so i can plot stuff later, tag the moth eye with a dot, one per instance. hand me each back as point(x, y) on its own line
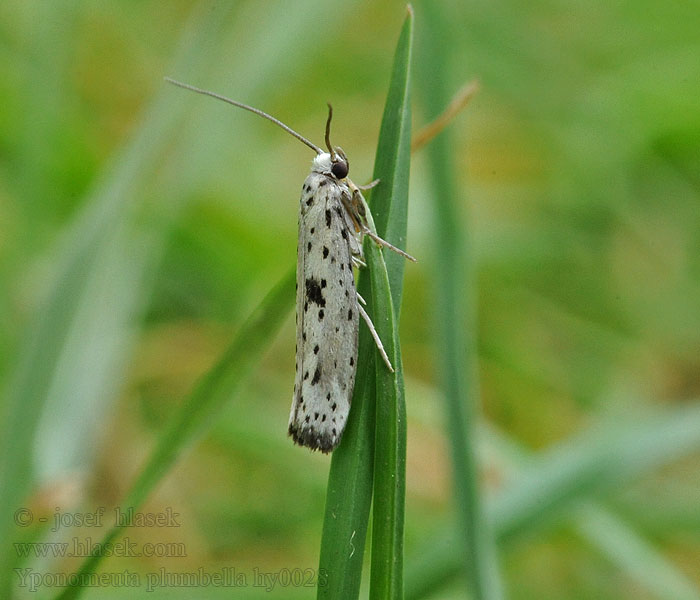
point(340, 169)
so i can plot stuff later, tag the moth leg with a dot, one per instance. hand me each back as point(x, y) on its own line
point(359, 212)
point(351, 208)
point(358, 262)
point(375, 336)
point(380, 242)
point(369, 186)
point(359, 204)
point(361, 299)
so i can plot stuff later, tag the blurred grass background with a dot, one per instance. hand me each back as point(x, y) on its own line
point(139, 226)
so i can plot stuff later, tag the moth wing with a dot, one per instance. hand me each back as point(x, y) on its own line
point(327, 318)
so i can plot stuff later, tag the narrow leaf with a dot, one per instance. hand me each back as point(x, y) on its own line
point(350, 480)
point(455, 317)
point(390, 201)
point(561, 478)
point(207, 399)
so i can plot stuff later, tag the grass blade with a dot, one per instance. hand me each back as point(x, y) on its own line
point(207, 398)
point(102, 254)
point(455, 317)
point(349, 491)
point(561, 478)
point(390, 203)
point(390, 447)
point(634, 555)
point(350, 480)
point(389, 200)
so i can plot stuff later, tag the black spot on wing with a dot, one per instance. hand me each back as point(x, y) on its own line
point(317, 375)
point(306, 434)
point(328, 218)
point(313, 292)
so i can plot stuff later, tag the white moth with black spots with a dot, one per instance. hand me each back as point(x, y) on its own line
point(333, 219)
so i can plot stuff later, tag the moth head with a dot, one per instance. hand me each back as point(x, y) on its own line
point(340, 165)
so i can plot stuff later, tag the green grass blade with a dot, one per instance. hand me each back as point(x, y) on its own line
point(634, 555)
point(390, 202)
point(389, 447)
point(349, 491)
point(454, 300)
point(591, 464)
point(350, 480)
point(103, 258)
point(207, 398)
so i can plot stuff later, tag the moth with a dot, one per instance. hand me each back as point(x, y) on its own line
point(333, 220)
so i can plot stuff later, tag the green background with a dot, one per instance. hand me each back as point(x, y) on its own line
point(140, 225)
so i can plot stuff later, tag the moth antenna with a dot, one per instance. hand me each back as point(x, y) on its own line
point(257, 111)
point(328, 133)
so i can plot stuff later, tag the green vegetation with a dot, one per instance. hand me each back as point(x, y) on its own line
point(550, 332)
